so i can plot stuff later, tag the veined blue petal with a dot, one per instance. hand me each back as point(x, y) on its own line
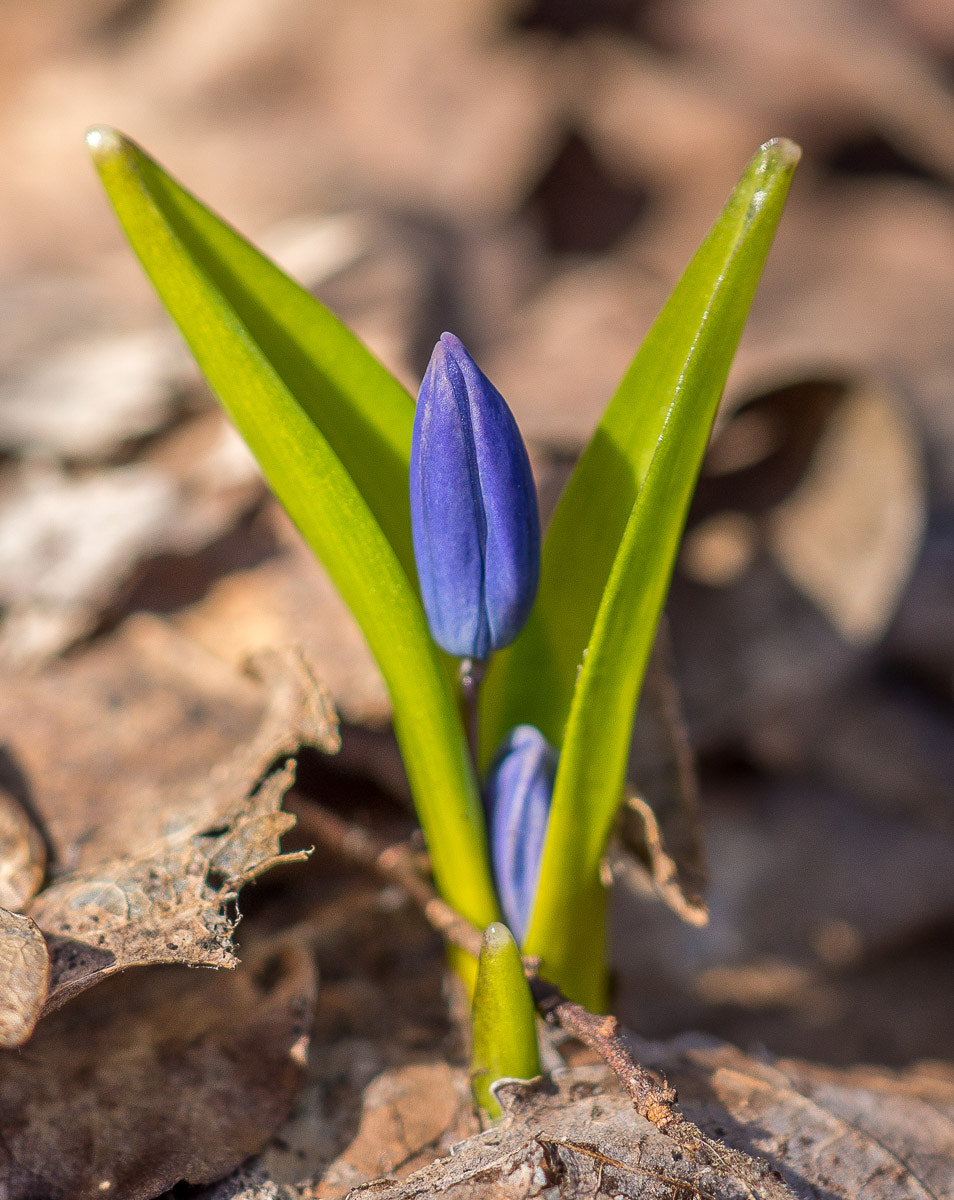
point(518, 792)
point(473, 508)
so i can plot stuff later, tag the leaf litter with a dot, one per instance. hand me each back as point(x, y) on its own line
point(780, 1127)
point(155, 1075)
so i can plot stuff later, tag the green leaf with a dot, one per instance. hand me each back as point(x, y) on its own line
point(609, 556)
point(331, 430)
point(505, 1025)
point(363, 411)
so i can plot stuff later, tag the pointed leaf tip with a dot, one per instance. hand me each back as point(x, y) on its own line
point(782, 152)
point(497, 938)
point(104, 142)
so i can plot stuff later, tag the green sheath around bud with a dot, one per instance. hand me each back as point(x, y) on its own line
point(505, 1023)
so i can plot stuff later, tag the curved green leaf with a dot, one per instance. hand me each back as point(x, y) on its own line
point(702, 321)
point(363, 411)
point(331, 430)
point(646, 455)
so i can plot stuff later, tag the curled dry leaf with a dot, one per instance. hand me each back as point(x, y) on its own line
point(22, 853)
point(145, 734)
point(24, 975)
point(659, 831)
point(159, 1076)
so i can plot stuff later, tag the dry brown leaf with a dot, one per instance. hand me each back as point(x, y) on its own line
point(818, 942)
point(170, 905)
point(855, 66)
point(24, 976)
point(180, 798)
point(290, 599)
point(159, 1076)
point(118, 746)
point(83, 401)
point(829, 475)
point(69, 543)
point(823, 1132)
point(849, 534)
point(785, 1128)
point(410, 1116)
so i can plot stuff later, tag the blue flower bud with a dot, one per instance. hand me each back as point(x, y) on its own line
point(473, 508)
point(517, 795)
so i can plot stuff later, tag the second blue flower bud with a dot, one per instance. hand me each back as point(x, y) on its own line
point(517, 794)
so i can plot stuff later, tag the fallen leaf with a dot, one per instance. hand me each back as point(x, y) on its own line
point(159, 1076)
point(289, 599)
point(24, 975)
point(850, 533)
point(144, 734)
point(69, 543)
point(821, 911)
point(86, 400)
point(829, 475)
point(750, 649)
point(173, 904)
point(409, 1117)
point(168, 839)
point(786, 1128)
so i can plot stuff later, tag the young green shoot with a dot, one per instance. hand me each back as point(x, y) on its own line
point(504, 1019)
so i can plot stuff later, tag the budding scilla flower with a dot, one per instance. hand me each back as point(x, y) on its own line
point(473, 508)
point(517, 794)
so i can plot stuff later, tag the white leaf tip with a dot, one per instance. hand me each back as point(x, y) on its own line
point(103, 142)
point(784, 152)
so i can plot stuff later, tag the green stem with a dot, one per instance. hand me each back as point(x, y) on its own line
point(578, 961)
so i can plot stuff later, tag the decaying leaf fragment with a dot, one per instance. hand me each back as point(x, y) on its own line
point(171, 902)
point(165, 906)
point(159, 856)
point(24, 976)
